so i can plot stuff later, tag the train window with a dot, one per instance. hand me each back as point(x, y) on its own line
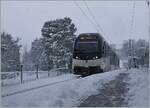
point(87, 46)
point(106, 49)
point(104, 44)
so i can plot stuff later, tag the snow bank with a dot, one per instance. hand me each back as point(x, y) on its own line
point(138, 88)
point(31, 76)
point(36, 83)
point(69, 93)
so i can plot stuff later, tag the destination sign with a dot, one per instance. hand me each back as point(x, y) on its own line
point(87, 38)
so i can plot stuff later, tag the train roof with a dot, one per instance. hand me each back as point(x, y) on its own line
point(94, 34)
point(90, 34)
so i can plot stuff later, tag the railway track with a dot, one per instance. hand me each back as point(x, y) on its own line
point(34, 88)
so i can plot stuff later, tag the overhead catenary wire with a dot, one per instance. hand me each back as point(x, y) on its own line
point(85, 15)
point(94, 18)
point(96, 22)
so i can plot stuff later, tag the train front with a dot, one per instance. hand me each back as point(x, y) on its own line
point(87, 54)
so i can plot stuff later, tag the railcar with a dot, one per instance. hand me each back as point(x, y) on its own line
point(92, 54)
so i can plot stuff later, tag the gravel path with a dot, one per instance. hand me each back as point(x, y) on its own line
point(111, 94)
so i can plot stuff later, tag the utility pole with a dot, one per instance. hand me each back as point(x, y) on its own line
point(148, 1)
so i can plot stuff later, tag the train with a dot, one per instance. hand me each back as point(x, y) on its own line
point(92, 54)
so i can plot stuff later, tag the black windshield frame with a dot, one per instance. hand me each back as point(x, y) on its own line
point(83, 55)
point(87, 46)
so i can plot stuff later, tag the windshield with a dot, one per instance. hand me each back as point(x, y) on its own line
point(87, 46)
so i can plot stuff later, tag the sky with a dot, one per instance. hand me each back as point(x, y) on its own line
point(24, 19)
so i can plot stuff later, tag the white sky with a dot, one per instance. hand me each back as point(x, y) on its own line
point(25, 19)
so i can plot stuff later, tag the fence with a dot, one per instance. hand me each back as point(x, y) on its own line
point(17, 77)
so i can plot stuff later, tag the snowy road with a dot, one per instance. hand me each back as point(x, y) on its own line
point(128, 89)
point(111, 94)
point(75, 92)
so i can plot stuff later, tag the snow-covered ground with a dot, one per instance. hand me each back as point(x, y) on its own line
point(138, 88)
point(72, 91)
point(66, 93)
point(29, 76)
point(35, 84)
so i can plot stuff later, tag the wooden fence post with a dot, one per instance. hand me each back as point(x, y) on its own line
point(37, 72)
point(21, 74)
point(48, 72)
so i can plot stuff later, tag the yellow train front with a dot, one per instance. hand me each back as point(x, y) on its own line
point(92, 54)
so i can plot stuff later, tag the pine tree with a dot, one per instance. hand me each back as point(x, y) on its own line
point(10, 53)
point(58, 36)
point(27, 60)
point(38, 55)
point(142, 47)
point(128, 48)
point(137, 49)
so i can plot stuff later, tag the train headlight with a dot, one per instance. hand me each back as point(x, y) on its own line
point(77, 57)
point(96, 57)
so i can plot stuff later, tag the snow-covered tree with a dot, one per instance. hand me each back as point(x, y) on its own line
point(27, 60)
point(58, 36)
point(138, 49)
point(142, 48)
point(146, 57)
point(128, 48)
point(10, 55)
point(38, 55)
